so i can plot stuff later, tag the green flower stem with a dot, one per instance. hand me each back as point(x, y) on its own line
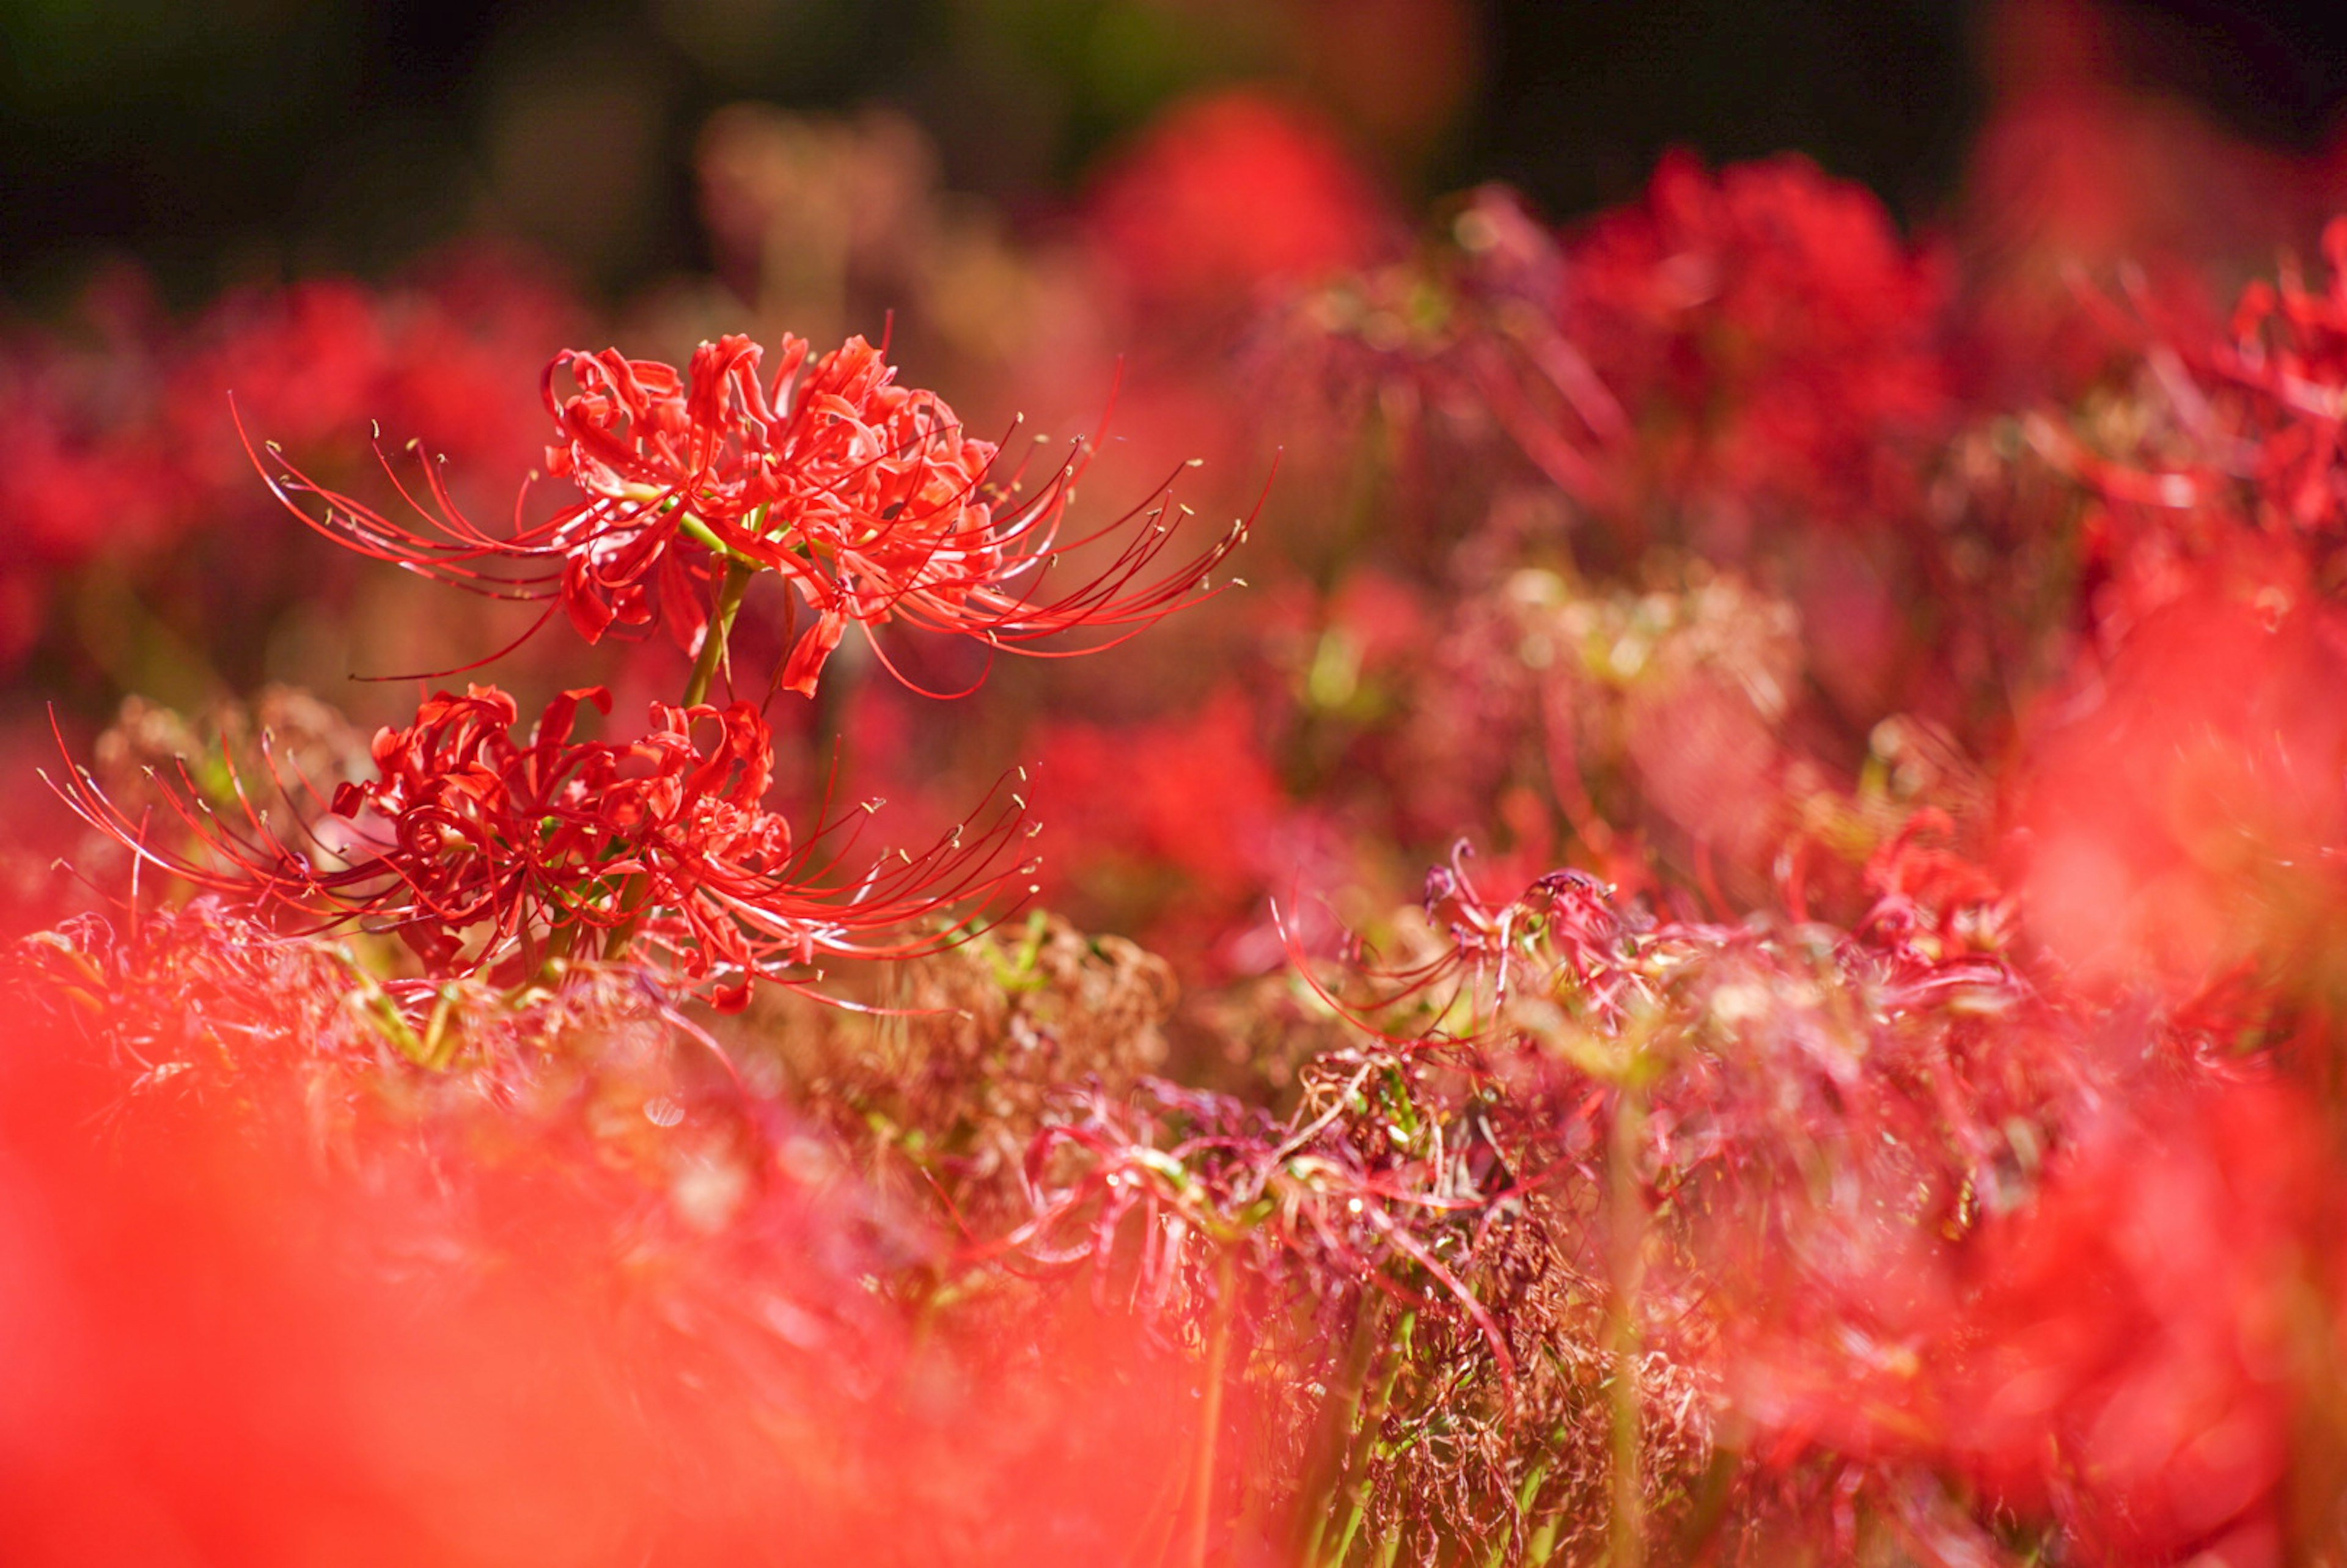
point(1626, 1547)
point(1366, 1447)
point(729, 593)
point(1340, 1418)
point(700, 533)
point(720, 627)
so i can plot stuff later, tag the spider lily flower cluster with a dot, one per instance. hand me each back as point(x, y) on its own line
point(484, 849)
point(480, 848)
point(869, 500)
point(1902, 1126)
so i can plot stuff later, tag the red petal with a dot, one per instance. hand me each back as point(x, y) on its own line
point(814, 648)
point(589, 615)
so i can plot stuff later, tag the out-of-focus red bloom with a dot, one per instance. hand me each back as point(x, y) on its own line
point(2078, 172)
point(1179, 818)
point(478, 847)
point(2248, 414)
point(306, 357)
point(2288, 353)
point(439, 359)
point(869, 499)
point(2182, 813)
point(1754, 352)
point(1775, 323)
point(2228, 477)
point(1932, 903)
point(1230, 192)
point(2126, 1355)
point(71, 498)
point(83, 499)
point(81, 473)
point(567, 1297)
point(456, 377)
point(117, 447)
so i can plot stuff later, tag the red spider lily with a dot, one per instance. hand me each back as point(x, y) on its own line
point(2288, 355)
point(1932, 904)
point(1562, 932)
point(2221, 850)
point(869, 498)
point(1784, 306)
point(1752, 349)
point(480, 849)
point(2233, 469)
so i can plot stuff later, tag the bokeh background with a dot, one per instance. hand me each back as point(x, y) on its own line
point(269, 138)
point(281, 135)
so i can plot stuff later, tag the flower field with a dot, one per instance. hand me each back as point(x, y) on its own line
point(1247, 873)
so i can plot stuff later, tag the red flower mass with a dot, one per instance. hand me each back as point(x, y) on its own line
point(868, 499)
point(1903, 1126)
point(1229, 194)
point(484, 850)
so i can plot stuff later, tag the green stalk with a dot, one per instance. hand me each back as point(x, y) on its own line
point(1339, 1419)
point(720, 627)
point(1537, 1544)
point(1364, 1445)
point(729, 593)
point(1627, 1548)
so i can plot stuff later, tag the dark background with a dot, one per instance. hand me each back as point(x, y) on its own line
point(259, 138)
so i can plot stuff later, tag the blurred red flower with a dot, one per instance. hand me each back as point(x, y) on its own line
point(1177, 818)
point(1771, 336)
point(2182, 808)
point(2126, 1356)
point(1229, 192)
